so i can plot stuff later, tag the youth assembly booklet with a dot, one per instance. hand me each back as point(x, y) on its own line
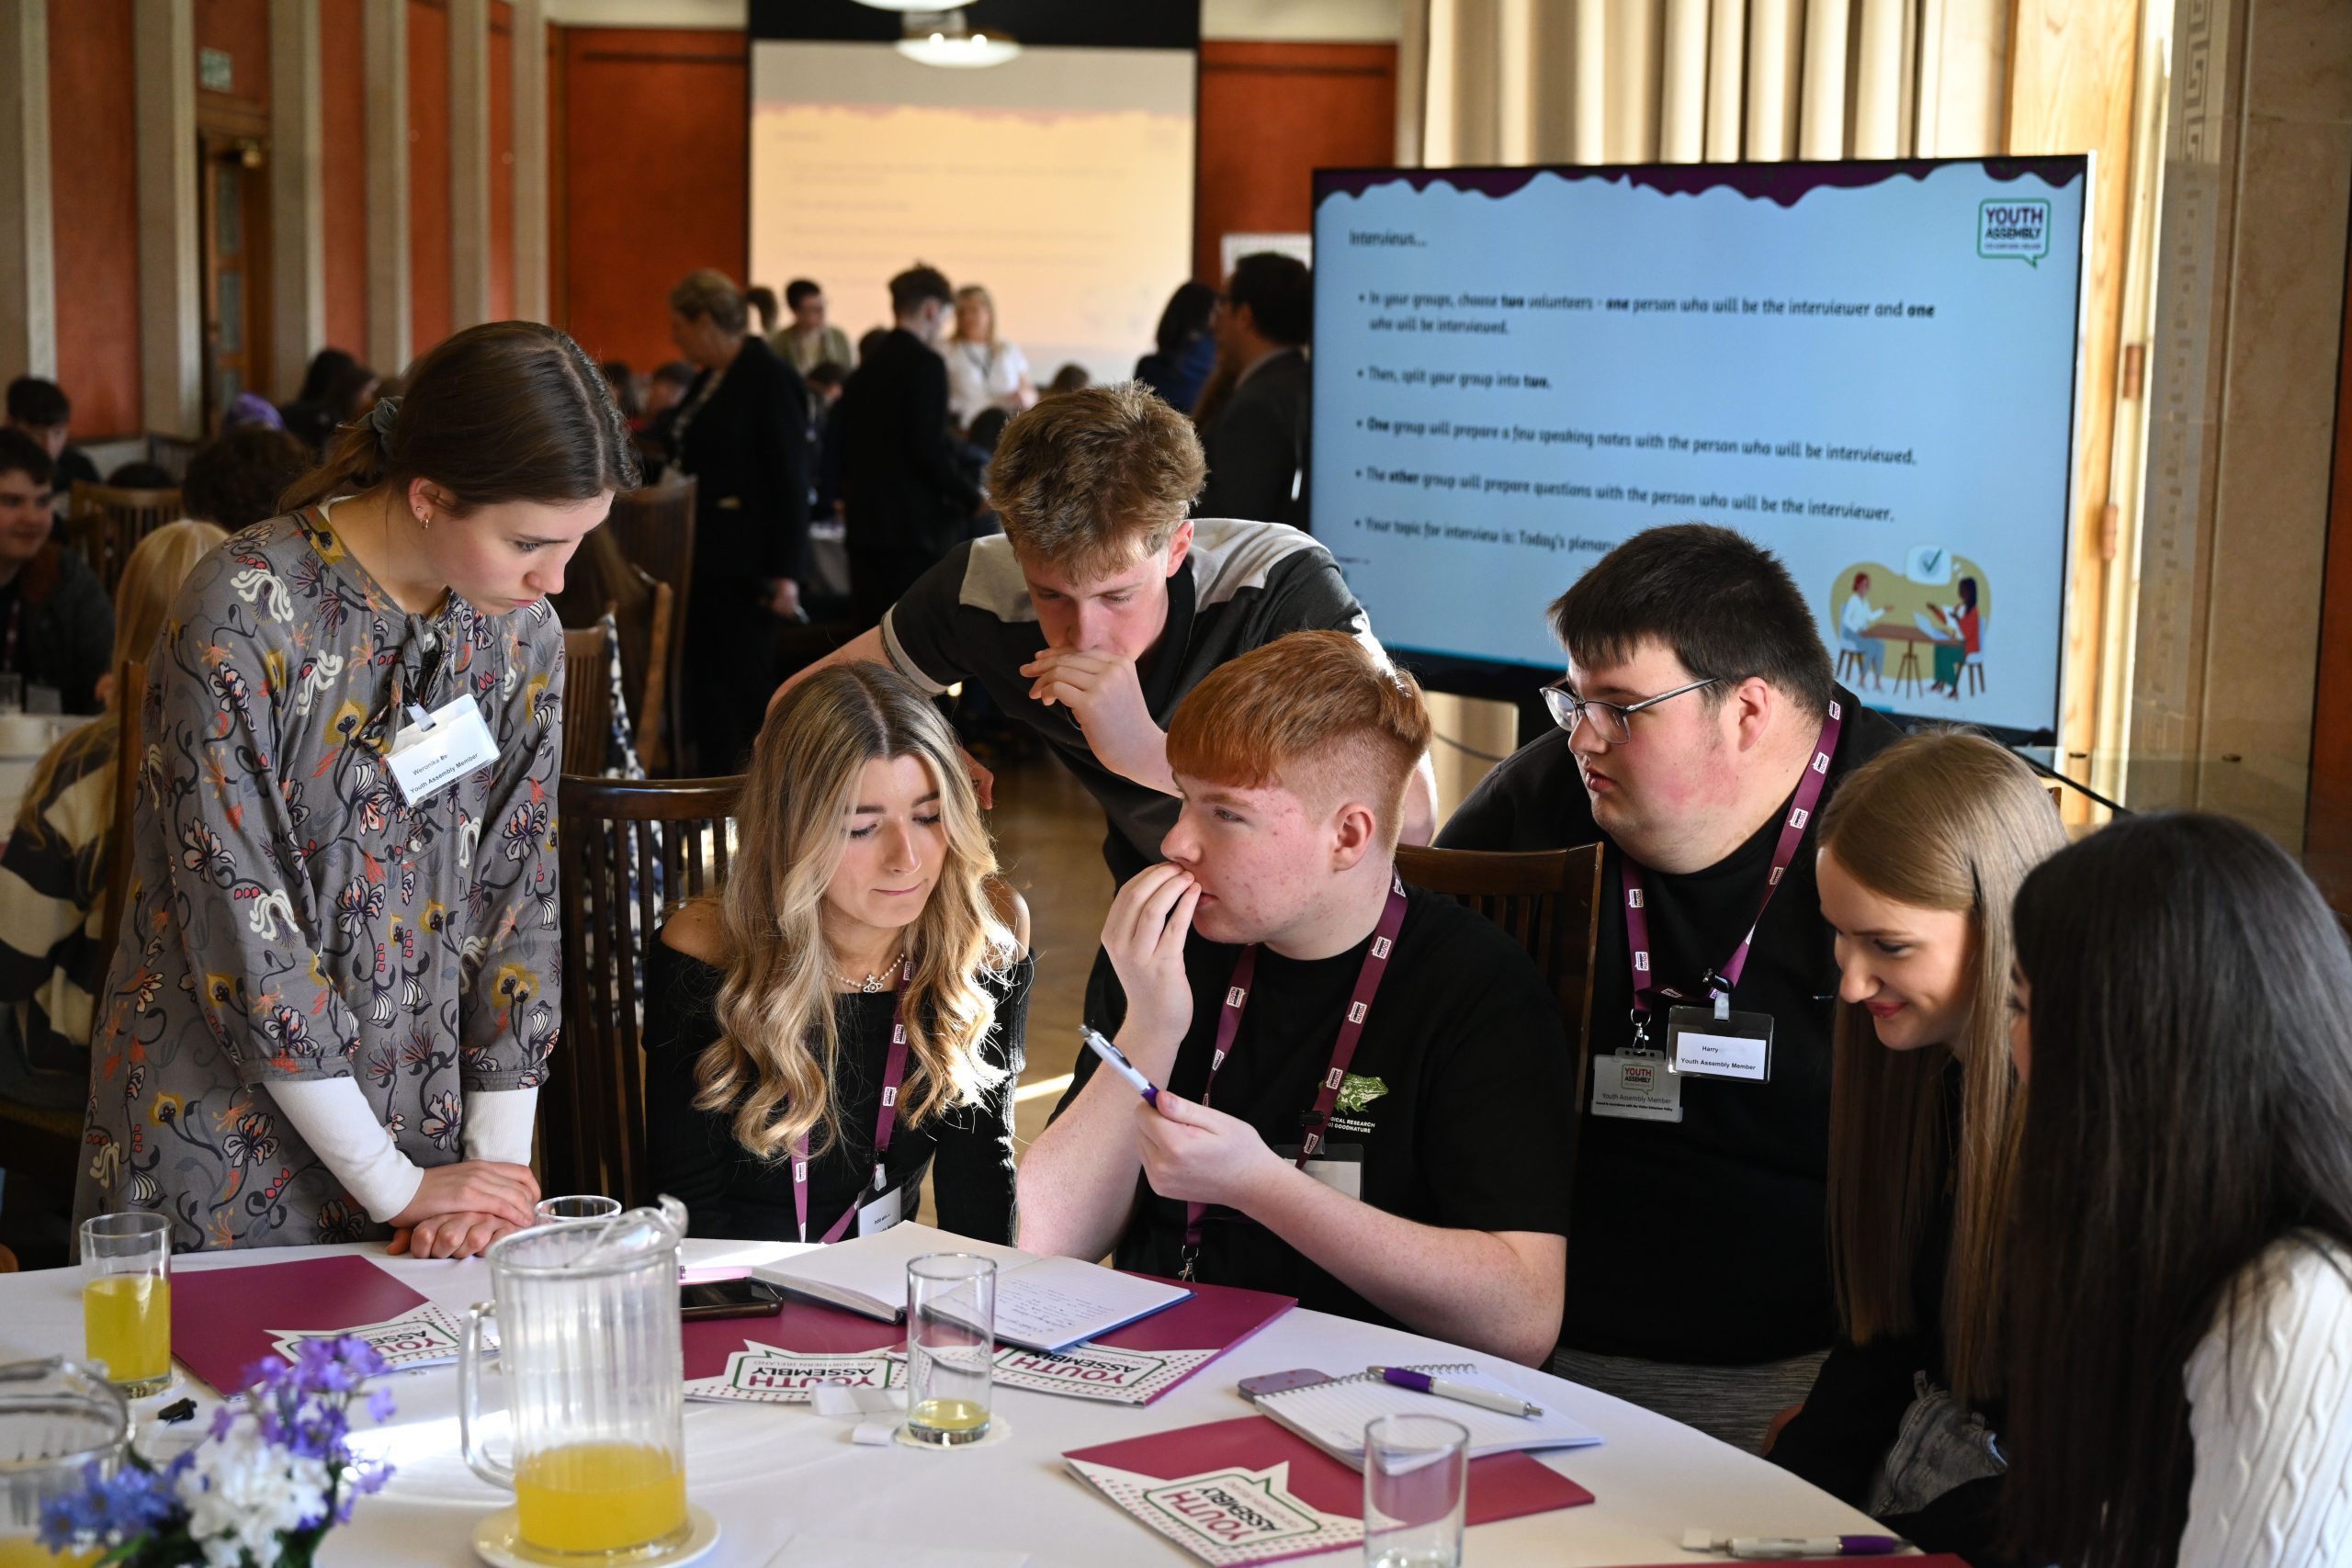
point(1332, 1416)
point(1247, 1491)
point(783, 1357)
point(220, 1334)
point(1136, 1364)
point(1042, 1304)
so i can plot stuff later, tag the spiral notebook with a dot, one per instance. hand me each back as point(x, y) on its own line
point(1332, 1416)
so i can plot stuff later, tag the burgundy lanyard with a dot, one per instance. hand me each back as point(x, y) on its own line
point(1343, 1050)
point(885, 1119)
point(1719, 982)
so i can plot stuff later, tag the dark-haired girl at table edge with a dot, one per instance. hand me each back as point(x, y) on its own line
point(863, 888)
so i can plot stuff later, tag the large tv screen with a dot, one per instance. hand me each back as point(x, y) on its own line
point(1868, 367)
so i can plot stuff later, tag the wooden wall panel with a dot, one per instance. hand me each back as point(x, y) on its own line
point(501, 160)
point(342, 183)
point(94, 196)
point(240, 27)
point(1272, 113)
point(430, 282)
point(655, 149)
point(2327, 848)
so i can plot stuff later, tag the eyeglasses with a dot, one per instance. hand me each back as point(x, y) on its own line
point(1608, 718)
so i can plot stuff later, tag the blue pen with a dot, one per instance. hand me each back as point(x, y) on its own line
point(1119, 1063)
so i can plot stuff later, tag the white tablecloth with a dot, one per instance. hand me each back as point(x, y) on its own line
point(769, 1472)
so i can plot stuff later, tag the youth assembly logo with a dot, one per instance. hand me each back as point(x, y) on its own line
point(2008, 229)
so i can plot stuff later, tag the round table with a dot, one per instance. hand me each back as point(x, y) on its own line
point(770, 1472)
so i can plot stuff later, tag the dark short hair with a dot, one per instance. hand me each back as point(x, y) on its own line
point(141, 475)
point(800, 289)
point(1280, 292)
point(236, 479)
point(1724, 605)
point(917, 286)
point(20, 454)
point(677, 372)
point(826, 373)
point(39, 403)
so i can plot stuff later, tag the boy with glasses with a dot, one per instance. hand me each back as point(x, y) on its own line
point(1704, 732)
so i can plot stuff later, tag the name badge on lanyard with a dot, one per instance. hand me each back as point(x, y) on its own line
point(434, 751)
point(1712, 1042)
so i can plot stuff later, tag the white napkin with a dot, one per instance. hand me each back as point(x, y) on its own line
point(808, 1550)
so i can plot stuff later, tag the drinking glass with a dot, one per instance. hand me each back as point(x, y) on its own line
point(591, 1353)
point(56, 1417)
point(951, 1347)
point(127, 1299)
point(1415, 1477)
point(12, 694)
point(576, 1206)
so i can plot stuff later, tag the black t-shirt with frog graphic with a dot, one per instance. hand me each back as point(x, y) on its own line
point(1454, 1110)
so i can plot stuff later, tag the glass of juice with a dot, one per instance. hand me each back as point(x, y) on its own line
point(127, 1299)
point(951, 1347)
point(56, 1418)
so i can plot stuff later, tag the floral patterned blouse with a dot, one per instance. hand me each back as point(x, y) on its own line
point(291, 918)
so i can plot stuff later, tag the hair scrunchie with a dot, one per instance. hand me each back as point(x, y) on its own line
point(381, 418)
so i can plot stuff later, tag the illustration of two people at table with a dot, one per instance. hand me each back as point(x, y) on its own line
point(1939, 602)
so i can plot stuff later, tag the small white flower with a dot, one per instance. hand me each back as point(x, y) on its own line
point(241, 1493)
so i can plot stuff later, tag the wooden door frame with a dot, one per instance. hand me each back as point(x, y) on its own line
point(224, 130)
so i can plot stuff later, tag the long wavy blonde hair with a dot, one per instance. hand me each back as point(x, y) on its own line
point(150, 580)
point(1944, 821)
point(775, 1062)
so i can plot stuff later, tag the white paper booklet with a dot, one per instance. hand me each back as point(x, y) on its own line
point(1332, 1416)
point(1042, 1304)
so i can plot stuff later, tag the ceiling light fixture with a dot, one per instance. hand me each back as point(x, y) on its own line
point(942, 39)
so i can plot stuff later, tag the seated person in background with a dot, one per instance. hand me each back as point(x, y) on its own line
point(864, 890)
point(655, 433)
point(53, 873)
point(336, 390)
point(1279, 975)
point(236, 479)
point(56, 624)
point(1255, 413)
point(1697, 700)
point(1070, 378)
point(41, 411)
point(1921, 854)
point(1184, 348)
point(2180, 1265)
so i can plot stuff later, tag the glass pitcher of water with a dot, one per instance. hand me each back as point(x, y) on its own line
point(590, 1352)
point(56, 1418)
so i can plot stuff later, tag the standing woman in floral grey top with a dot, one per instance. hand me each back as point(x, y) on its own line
point(335, 995)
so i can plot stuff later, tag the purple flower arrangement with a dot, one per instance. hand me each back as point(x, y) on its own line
point(262, 1488)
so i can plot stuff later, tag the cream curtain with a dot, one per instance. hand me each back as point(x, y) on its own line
point(1691, 81)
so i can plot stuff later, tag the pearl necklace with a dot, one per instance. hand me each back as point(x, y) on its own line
point(875, 982)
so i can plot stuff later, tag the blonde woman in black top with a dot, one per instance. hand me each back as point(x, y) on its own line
point(863, 891)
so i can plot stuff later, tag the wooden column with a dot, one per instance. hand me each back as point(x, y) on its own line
point(298, 223)
point(27, 265)
point(531, 110)
point(171, 319)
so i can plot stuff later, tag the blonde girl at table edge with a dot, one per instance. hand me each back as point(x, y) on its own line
point(768, 1008)
point(332, 1006)
point(1920, 854)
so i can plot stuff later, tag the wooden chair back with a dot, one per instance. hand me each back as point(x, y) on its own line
point(105, 525)
point(1548, 901)
point(587, 702)
point(652, 694)
point(628, 851)
point(655, 528)
point(129, 699)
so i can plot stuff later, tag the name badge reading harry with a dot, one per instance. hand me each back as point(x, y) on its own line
point(434, 751)
point(1703, 1045)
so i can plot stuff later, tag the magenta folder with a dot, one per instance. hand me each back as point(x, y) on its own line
point(224, 1320)
point(806, 1328)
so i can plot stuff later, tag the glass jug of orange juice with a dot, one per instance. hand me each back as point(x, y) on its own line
point(590, 1352)
point(56, 1418)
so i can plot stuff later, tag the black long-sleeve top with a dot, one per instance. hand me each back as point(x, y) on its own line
point(730, 1192)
